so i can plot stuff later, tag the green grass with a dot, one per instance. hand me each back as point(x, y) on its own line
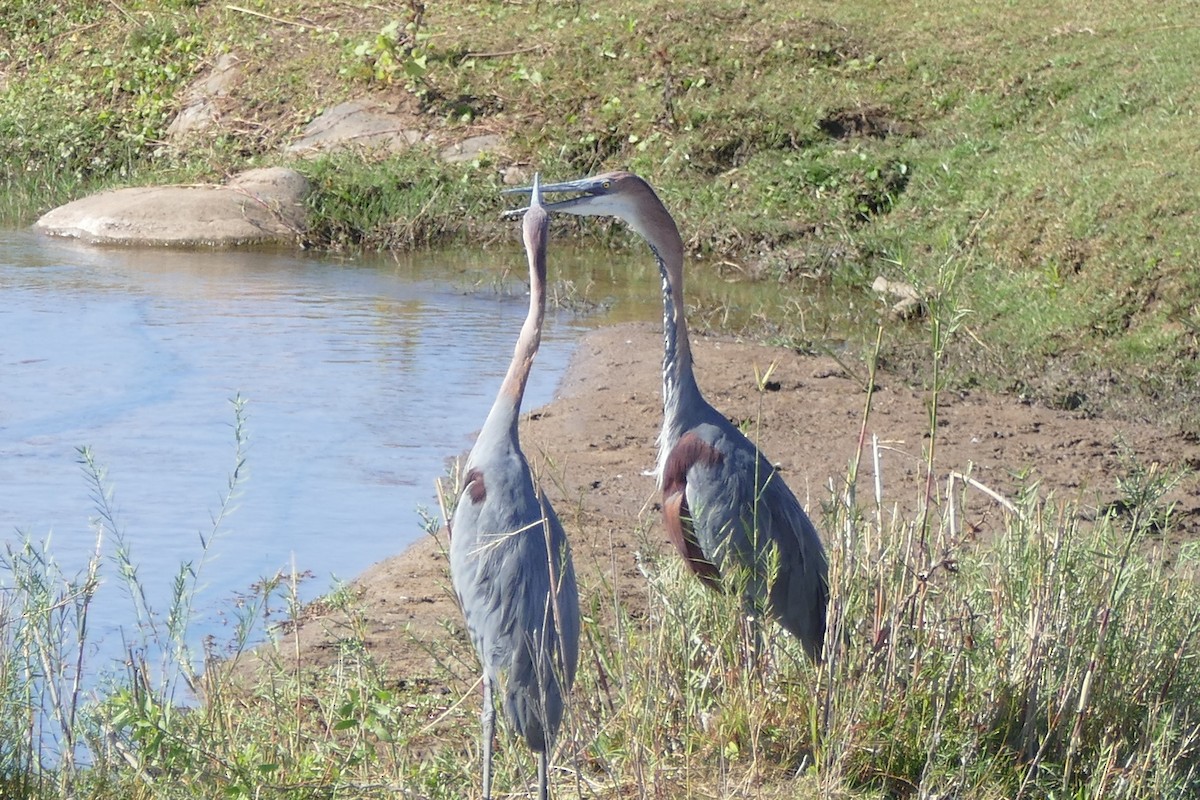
point(1045, 152)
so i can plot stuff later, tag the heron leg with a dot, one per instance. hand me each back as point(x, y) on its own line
point(488, 719)
point(544, 774)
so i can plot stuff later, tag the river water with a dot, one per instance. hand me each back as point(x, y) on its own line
point(360, 379)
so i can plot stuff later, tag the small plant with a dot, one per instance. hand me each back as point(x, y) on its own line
point(1143, 488)
point(44, 644)
point(397, 53)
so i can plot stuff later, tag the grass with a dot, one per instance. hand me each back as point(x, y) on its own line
point(1054, 660)
point(1044, 150)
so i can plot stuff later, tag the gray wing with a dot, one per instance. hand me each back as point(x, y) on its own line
point(743, 510)
point(492, 512)
point(543, 666)
point(501, 566)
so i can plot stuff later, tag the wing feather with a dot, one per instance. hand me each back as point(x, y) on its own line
point(724, 499)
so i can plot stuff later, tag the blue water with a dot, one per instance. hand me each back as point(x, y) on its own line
point(361, 377)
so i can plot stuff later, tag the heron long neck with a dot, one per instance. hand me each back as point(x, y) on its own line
point(507, 407)
point(677, 350)
point(679, 384)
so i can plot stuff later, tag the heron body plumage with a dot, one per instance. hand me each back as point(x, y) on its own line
point(510, 559)
point(510, 562)
point(747, 521)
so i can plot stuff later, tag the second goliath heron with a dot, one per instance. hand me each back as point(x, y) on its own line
point(725, 508)
point(509, 558)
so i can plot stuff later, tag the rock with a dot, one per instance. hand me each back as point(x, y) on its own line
point(257, 206)
point(200, 109)
point(469, 149)
point(910, 304)
point(361, 124)
point(365, 124)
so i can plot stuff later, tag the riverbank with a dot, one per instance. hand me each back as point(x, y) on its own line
point(1012, 164)
point(593, 444)
point(1042, 578)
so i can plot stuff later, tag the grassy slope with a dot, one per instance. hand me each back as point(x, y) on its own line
point(1029, 165)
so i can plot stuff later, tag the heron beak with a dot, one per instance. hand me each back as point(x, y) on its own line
point(535, 197)
point(586, 188)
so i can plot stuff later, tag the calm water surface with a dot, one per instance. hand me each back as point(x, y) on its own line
point(360, 378)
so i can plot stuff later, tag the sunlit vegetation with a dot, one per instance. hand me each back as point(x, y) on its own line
point(1028, 168)
point(1057, 659)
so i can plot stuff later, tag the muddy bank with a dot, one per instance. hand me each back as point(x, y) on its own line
point(594, 443)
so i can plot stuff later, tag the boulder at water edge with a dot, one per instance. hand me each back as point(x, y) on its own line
point(256, 207)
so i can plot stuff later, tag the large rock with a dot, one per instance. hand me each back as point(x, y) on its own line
point(367, 126)
point(258, 206)
point(357, 124)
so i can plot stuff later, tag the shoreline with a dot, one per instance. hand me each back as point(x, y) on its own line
point(591, 445)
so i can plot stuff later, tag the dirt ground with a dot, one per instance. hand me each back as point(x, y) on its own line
point(593, 444)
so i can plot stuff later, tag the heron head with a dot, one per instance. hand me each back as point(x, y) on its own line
point(615, 194)
point(536, 222)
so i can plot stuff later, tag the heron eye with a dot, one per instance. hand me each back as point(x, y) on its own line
point(606, 185)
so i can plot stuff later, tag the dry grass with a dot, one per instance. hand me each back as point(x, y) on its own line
point(1057, 659)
